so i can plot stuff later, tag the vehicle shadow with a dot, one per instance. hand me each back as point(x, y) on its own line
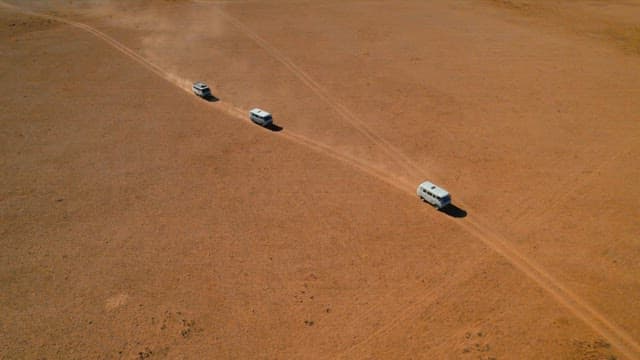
point(273, 127)
point(210, 98)
point(454, 211)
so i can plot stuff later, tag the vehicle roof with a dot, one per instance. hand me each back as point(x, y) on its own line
point(259, 112)
point(435, 189)
point(200, 84)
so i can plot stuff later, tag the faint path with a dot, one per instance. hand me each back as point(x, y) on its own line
point(406, 313)
point(617, 336)
point(323, 94)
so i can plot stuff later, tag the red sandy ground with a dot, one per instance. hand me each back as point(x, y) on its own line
point(137, 220)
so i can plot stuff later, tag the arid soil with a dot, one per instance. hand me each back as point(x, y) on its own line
point(139, 221)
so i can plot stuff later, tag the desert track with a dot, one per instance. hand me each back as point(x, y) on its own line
point(622, 340)
point(612, 332)
point(585, 312)
point(410, 166)
point(226, 107)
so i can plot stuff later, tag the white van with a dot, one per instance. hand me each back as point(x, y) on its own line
point(201, 89)
point(260, 117)
point(434, 195)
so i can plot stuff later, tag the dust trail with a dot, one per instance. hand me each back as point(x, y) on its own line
point(581, 309)
point(226, 107)
point(174, 79)
point(342, 110)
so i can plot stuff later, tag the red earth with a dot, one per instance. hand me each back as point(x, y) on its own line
point(139, 221)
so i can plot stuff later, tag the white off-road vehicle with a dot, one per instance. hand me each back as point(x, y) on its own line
point(260, 117)
point(434, 194)
point(201, 89)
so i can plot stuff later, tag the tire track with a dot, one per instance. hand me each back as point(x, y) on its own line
point(432, 294)
point(405, 314)
point(221, 105)
point(109, 40)
point(395, 154)
point(617, 336)
point(179, 82)
point(346, 158)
